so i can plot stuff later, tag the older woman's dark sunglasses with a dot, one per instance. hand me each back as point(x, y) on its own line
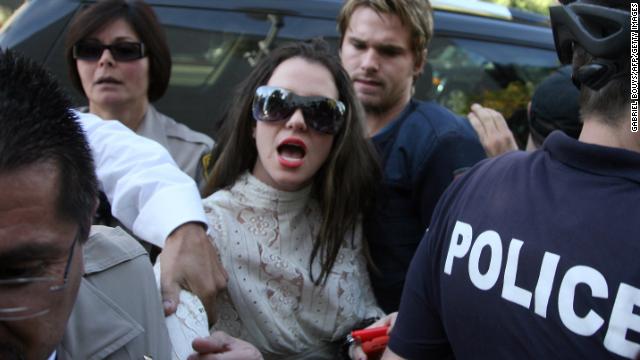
point(322, 114)
point(121, 51)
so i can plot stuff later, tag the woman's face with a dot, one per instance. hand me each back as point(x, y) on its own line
point(289, 152)
point(108, 82)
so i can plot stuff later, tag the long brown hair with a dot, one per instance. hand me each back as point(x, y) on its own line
point(343, 186)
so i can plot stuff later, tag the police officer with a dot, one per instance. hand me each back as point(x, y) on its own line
point(535, 255)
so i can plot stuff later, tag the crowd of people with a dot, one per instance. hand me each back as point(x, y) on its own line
point(333, 201)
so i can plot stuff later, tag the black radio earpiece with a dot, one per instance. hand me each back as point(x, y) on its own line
point(596, 74)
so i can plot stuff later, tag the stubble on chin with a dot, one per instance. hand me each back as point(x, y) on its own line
point(372, 105)
point(374, 109)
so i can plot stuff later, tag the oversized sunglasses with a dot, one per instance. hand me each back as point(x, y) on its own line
point(322, 114)
point(121, 51)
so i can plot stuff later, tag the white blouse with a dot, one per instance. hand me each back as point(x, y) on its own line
point(265, 237)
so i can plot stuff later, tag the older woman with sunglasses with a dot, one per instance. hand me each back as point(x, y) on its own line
point(290, 178)
point(119, 59)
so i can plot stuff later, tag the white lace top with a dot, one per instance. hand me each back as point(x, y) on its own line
point(264, 237)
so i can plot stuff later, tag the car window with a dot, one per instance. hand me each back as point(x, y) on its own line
point(208, 51)
point(498, 75)
point(213, 51)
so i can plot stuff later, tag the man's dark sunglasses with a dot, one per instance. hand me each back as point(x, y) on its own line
point(121, 51)
point(320, 113)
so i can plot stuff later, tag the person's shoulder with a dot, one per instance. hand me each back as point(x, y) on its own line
point(227, 202)
point(474, 183)
point(430, 106)
point(108, 247)
point(219, 195)
point(490, 171)
point(440, 120)
point(179, 131)
point(118, 311)
point(219, 203)
point(432, 130)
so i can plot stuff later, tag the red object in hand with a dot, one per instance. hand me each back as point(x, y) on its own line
point(375, 345)
point(372, 340)
point(369, 333)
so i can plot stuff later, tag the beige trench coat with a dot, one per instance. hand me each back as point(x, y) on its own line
point(118, 312)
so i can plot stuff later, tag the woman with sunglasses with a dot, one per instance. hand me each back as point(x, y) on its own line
point(289, 180)
point(118, 58)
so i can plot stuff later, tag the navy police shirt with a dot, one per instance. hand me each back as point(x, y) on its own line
point(530, 256)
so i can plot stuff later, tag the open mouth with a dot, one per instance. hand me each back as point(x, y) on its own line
point(291, 152)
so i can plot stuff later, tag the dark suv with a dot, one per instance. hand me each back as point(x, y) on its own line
point(481, 52)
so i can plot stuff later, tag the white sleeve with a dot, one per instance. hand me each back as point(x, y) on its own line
point(147, 191)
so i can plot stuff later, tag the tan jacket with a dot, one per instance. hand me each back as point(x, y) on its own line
point(118, 313)
point(186, 146)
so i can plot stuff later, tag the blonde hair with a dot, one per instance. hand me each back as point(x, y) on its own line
point(416, 15)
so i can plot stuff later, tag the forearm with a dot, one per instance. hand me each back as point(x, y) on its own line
point(166, 210)
point(147, 191)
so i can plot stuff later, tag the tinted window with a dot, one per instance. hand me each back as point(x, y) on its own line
point(501, 76)
point(213, 51)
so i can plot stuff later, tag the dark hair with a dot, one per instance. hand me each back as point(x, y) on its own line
point(144, 22)
point(555, 106)
point(36, 127)
point(345, 182)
